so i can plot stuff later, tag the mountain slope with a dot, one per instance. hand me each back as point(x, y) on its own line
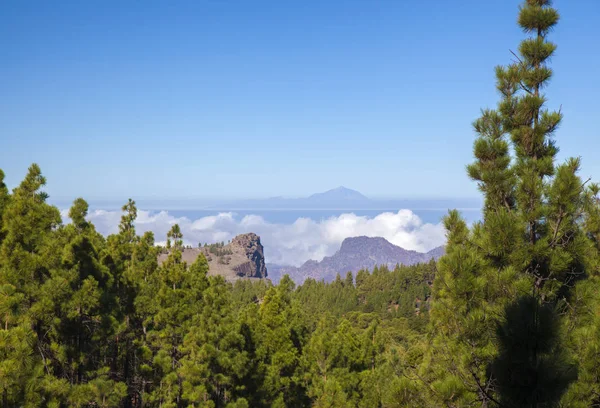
point(354, 254)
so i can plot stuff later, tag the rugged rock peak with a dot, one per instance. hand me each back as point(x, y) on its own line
point(356, 244)
point(254, 251)
point(248, 239)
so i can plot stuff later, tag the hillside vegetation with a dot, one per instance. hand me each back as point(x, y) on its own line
point(96, 321)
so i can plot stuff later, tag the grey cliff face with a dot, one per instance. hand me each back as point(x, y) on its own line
point(254, 251)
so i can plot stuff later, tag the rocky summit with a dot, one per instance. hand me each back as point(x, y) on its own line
point(242, 258)
point(250, 244)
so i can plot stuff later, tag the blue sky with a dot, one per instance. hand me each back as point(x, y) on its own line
point(184, 99)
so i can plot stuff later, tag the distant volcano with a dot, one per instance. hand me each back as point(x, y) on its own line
point(343, 198)
point(340, 197)
point(340, 194)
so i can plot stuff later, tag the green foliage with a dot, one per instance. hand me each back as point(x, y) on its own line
point(506, 291)
point(176, 235)
point(94, 321)
point(89, 321)
point(214, 356)
point(218, 249)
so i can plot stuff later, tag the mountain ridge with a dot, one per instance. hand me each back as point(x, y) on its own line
point(355, 253)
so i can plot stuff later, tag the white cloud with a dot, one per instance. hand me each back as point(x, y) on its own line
point(291, 244)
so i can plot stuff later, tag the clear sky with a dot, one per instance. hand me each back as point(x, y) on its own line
point(173, 99)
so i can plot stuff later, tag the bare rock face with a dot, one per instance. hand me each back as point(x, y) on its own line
point(254, 251)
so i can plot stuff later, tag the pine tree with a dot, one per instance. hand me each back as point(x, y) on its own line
point(281, 340)
point(214, 358)
point(503, 287)
point(119, 257)
point(334, 361)
point(28, 224)
point(176, 299)
point(176, 235)
point(71, 305)
point(584, 315)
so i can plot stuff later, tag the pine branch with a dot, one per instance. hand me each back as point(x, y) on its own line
point(483, 391)
point(517, 57)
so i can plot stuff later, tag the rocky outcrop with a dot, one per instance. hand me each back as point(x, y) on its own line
point(242, 258)
point(254, 251)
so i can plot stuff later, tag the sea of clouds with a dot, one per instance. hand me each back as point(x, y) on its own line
point(285, 244)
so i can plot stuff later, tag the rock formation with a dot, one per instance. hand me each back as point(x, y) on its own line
point(253, 249)
point(241, 259)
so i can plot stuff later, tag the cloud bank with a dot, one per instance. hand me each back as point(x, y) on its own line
point(286, 244)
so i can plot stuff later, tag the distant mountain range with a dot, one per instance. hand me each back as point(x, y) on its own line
point(354, 254)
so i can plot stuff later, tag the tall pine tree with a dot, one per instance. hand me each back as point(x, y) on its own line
point(503, 289)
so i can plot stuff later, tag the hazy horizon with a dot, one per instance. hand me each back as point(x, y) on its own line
point(233, 203)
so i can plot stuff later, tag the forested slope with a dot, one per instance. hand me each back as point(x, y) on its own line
point(95, 321)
